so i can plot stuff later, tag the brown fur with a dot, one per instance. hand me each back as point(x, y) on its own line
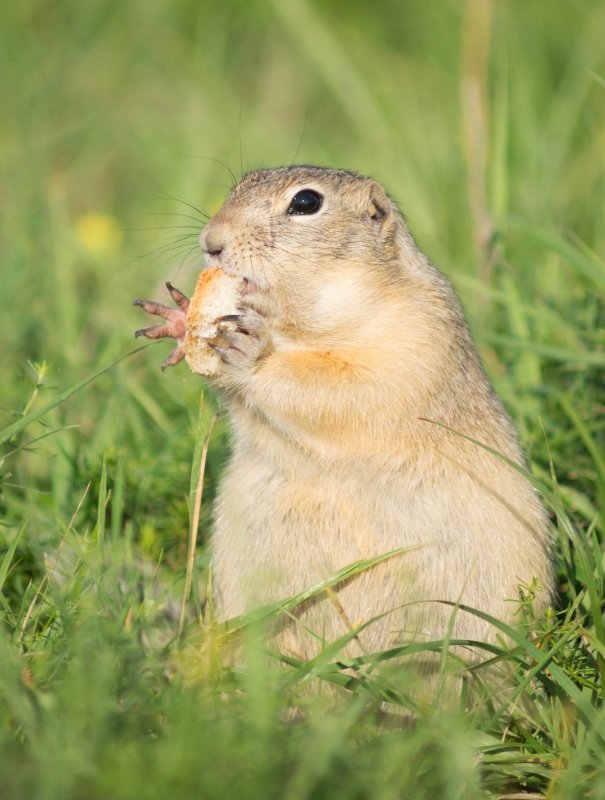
point(333, 460)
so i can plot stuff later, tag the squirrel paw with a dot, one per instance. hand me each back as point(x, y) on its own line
point(173, 328)
point(242, 339)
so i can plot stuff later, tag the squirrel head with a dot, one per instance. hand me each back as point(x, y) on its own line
point(313, 245)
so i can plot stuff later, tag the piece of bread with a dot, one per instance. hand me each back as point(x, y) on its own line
point(216, 295)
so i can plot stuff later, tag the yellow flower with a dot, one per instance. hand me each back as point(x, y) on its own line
point(98, 233)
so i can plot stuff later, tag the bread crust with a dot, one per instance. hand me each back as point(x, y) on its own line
point(216, 295)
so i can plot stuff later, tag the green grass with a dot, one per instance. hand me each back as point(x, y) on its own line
point(122, 121)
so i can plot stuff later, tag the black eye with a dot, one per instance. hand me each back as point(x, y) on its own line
point(307, 201)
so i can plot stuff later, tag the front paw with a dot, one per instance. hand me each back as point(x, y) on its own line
point(243, 339)
point(173, 328)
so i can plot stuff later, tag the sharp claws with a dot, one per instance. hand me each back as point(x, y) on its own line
point(173, 328)
point(174, 358)
point(224, 352)
point(179, 298)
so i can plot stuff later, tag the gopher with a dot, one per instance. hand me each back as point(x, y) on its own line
point(356, 398)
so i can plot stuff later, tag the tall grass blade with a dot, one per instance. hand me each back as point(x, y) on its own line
point(259, 616)
point(102, 511)
point(196, 490)
point(8, 557)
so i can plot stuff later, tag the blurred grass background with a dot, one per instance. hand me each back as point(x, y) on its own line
point(122, 125)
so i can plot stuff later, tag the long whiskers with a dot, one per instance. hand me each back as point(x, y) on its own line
point(172, 214)
point(300, 140)
point(225, 166)
point(167, 228)
point(175, 246)
point(201, 215)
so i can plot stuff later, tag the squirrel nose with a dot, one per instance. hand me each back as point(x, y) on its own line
point(212, 241)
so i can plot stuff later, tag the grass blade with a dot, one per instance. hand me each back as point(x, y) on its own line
point(196, 489)
point(12, 430)
point(8, 557)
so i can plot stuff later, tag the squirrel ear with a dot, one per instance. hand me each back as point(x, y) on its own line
point(378, 206)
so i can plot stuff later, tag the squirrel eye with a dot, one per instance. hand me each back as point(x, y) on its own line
point(306, 201)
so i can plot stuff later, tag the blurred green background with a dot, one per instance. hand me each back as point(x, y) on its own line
point(123, 123)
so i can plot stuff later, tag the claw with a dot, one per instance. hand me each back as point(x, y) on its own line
point(179, 298)
point(174, 357)
point(174, 327)
point(252, 320)
point(225, 353)
point(228, 318)
point(225, 324)
point(157, 309)
point(154, 332)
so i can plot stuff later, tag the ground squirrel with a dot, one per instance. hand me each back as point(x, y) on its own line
point(345, 368)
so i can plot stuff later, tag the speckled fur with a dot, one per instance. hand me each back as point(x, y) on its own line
point(334, 458)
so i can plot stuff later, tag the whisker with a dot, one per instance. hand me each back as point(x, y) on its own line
point(170, 214)
point(302, 136)
point(169, 241)
point(222, 164)
point(173, 247)
point(241, 150)
point(164, 228)
point(189, 205)
point(183, 261)
point(167, 249)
